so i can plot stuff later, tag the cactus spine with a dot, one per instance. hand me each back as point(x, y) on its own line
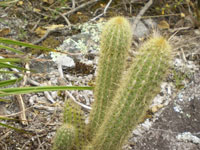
point(65, 137)
point(115, 44)
point(132, 98)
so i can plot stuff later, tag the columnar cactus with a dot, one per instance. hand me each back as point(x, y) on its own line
point(121, 97)
point(65, 137)
point(134, 95)
point(115, 44)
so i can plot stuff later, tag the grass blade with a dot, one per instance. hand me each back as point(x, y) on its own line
point(5, 100)
point(24, 90)
point(10, 72)
point(14, 128)
point(9, 82)
point(8, 2)
point(11, 60)
point(14, 42)
point(11, 49)
point(6, 118)
point(5, 65)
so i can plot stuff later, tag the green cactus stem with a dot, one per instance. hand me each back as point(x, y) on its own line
point(74, 115)
point(138, 87)
point(65, 137)
point(115, 44)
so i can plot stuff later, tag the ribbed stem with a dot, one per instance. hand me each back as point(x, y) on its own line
point(115, 44)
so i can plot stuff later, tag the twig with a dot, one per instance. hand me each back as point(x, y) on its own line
point(133, 1)
point(43, 37)
point(141, 13)
point(73, 4)
point(177, 30)
point(35, 26)
point(40, 145)
point(46, 93)
point(82, 105)
point(5, 135)
point(125, 5)
point(60, 70)
point(23, 110)
point(49, 97)
point(17, 113)
point(130, 5)
point(32, 139)
point(104, 12)
point(130, 9)
point(79, 7)
point(20, 98)
point(3, 145)
point(65, 18)
point(47, 33)
point(62, 82)
point(47, 108)
point(183, 54)
point(33, 82)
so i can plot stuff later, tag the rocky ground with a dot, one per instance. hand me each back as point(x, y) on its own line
point(172, 121)
point(174, 127)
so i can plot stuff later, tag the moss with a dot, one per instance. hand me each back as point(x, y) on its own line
point(87, 40)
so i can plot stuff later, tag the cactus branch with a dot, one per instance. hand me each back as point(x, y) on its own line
point(115, 44)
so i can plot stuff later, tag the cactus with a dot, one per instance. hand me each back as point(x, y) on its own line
point(115, 44)
point(75, 116)
point(121, 97)
point(65, 137)
point(134, 95)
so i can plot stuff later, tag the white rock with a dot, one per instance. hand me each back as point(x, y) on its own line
point(62, 59)
point(188, 137)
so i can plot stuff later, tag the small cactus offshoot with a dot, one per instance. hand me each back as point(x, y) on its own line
point(74, 115)
point(65, 138)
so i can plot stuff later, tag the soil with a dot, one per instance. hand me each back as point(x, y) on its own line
point(174, 112)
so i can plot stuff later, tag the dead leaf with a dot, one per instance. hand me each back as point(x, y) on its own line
point(102, 5)
point(54, 26)
point(36, 10)
point(182, 15)
point(20, 3)
point(101, 20)
point(79, 13)
point(4, 32)
point(163, 25)
point(48, 1)
point(156, 108)
point(40, 31)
